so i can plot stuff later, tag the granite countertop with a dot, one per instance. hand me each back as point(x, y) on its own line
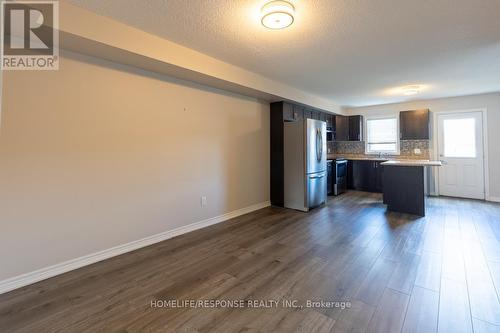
point(413, 163)
point(361, 157)
point(356, 157)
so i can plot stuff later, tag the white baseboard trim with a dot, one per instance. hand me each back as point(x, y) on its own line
point(51, 271)
point(494, 199)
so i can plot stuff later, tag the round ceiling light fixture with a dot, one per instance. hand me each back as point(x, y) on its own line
point(277, 14)
point(411, 90)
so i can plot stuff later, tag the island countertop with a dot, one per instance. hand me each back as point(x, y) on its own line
point(412, 163)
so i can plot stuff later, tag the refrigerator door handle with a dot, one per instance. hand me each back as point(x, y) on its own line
point(319, 144)
point(317, 177)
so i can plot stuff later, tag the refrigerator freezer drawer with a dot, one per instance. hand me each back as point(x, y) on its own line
point(316, 189)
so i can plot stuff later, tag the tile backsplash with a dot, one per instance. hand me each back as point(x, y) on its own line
point(407, 149)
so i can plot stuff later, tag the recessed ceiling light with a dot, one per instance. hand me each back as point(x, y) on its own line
point(277, 14)
point(411, 90)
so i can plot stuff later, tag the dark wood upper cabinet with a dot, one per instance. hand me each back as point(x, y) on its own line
point(287, 110)
point(291, 112)
point(341, 128)
point(294, 112)
point(315, 114)
point(322, 117)
point(308, 113)
point(348, 128)
point(355, 128)
point(330, 122)
point(298, 112)
point(414, 125)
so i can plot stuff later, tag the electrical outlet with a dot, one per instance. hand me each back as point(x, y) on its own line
point(417, 151)
point(203, 201)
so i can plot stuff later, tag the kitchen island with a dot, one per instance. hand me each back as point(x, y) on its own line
point(404, 185)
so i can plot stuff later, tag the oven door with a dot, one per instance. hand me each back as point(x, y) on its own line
point(341, 169)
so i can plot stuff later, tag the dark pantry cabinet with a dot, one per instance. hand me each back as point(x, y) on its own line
point(280, 112)
point(414, 125)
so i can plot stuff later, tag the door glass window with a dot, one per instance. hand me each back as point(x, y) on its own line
point(459, 136)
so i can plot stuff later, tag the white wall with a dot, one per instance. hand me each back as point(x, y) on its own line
point(98, 154)
point(491, 102)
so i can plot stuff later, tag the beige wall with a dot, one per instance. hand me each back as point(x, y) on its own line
point(86, 32)
point(489, 101)
point(97, 154)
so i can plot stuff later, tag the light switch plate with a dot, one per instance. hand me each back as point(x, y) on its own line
point(417, 151)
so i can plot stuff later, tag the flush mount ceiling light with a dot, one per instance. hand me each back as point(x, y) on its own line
point(411, 90)
point(277, 14)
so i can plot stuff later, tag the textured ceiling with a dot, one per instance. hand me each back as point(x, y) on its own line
point(354, 52)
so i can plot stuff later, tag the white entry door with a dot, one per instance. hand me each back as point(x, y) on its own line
point(460, 148)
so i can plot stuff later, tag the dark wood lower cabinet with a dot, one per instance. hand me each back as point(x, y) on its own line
point(330, 177)
point(361, 175)
point(365, 175)
point(379, 187)
point(350, 175)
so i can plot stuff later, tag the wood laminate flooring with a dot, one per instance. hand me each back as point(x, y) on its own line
point(396, 272)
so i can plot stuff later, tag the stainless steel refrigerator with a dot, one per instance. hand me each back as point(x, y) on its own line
point(305, 164)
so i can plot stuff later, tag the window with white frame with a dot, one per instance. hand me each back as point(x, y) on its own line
point(382, 135)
